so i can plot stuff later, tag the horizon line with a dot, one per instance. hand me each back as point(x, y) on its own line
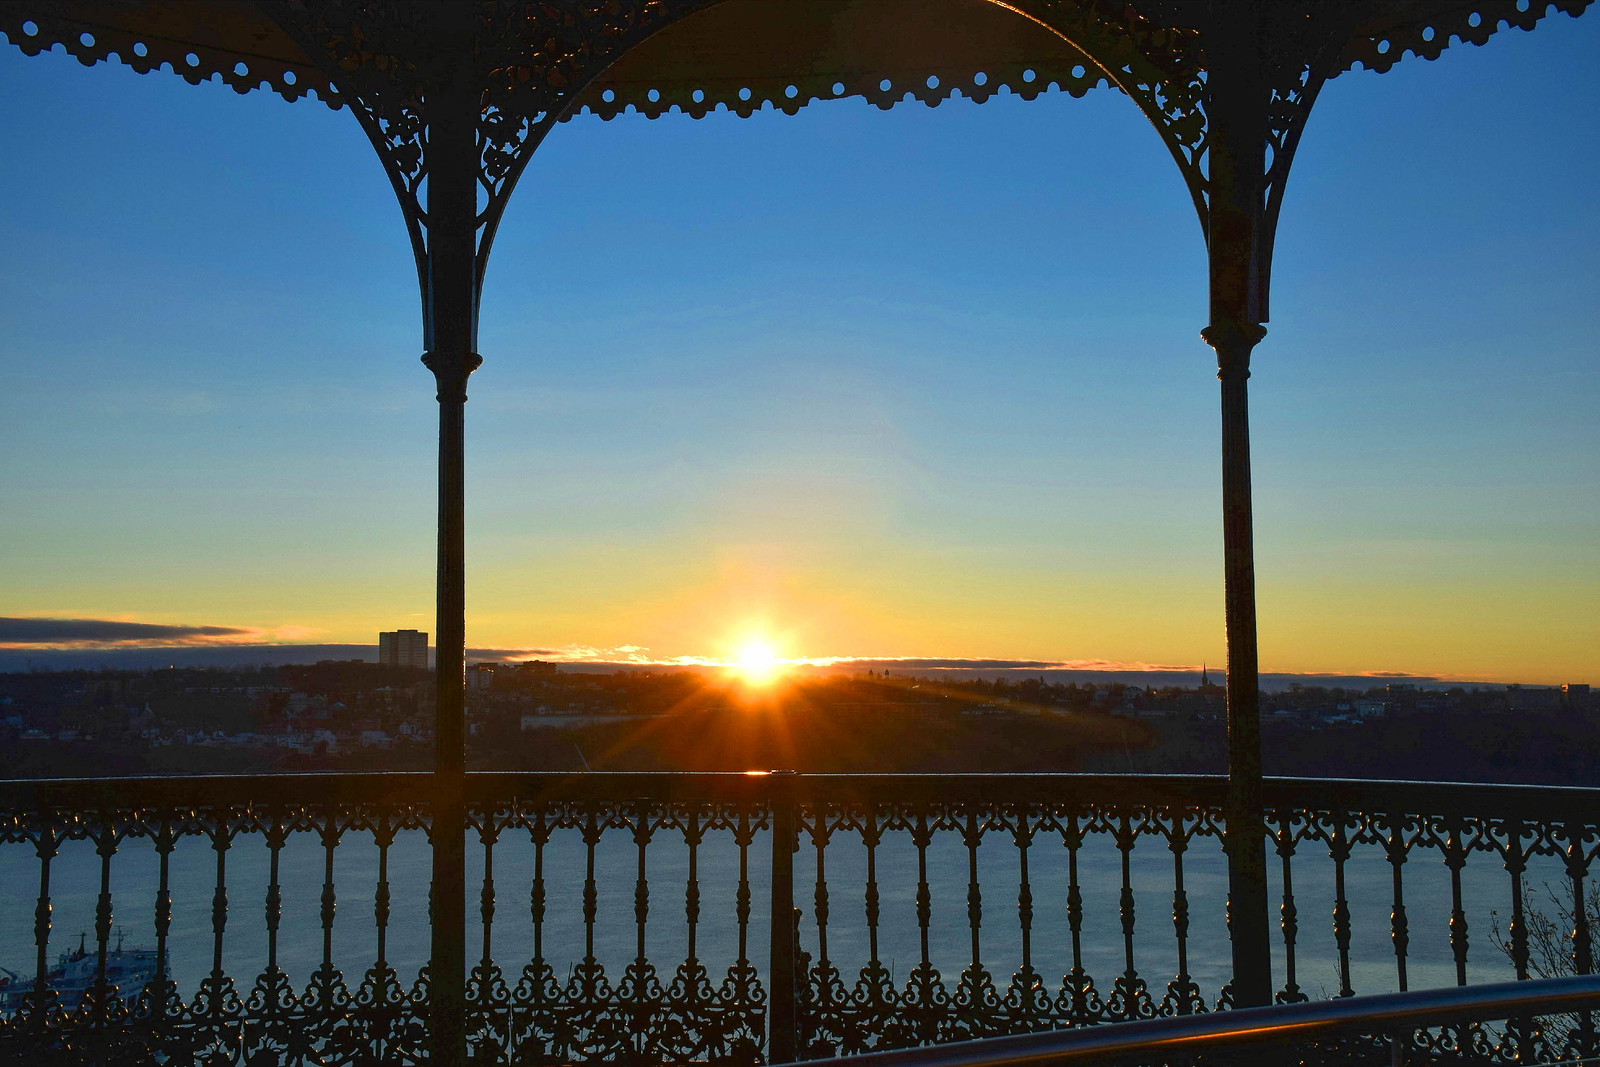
point(592, 659)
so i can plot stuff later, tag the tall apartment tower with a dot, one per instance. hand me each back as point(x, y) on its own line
point(403, 648)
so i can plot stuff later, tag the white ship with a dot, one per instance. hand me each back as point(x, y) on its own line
point(128, 970)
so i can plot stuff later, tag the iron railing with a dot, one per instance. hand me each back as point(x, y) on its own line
point(1351, 1029)
point(796, 903)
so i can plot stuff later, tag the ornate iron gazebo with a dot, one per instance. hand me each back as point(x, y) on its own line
point(455, 97)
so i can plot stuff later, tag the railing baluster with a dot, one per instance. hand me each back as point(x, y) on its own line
point(592, 1023)
point(1577, 864)
point(1284, 843)
point(819, 896)
point(591, 895)
point(824, 978)
point(531, 1018)
point(380, 990)
point(267, 1028)
point(1339, 851)
point(329, 899)
point(380, 894)
point(924, 991)
point(1182, 996)
point(975, 1000)
point(273, 908)
point(1395, 849)
point(870, 837)
point(43, 996)
point(1125, 898)
point(691, 891)
point(1082, 1002)
point(1516, 864)
point(640, 883)
point(216, 1002)
point(690, 995)
point(536, 893)
point(1129, 997)
point(391, 1017)
point(922, 838)
point(219, 902)
point(1024, 838)
point(1577, 870)
point(325, 992)
point(164, 993)
point(1026, 998)
point(1455, 857)
point(486, 894)
point(876, 1024)
point(1519, 1030)
point(741, 896)
point(105, 846)
point(642, 974)
point(974, 890)
point(741, 991)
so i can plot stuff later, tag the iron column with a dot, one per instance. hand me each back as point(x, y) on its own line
point(450, 315)
point(1236, 114)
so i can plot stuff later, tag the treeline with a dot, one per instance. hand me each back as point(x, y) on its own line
point(1537, 748)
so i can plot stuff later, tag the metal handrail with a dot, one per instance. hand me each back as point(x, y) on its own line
point(1553, 803)
point(1386, 1013)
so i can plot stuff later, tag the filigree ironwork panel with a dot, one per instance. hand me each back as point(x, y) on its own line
point(646, 1013)
point(523, 65)
point(222, 1021)
point(873, 1012)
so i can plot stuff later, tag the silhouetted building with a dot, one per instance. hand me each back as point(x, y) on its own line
point(1525, 699)
point(403, 648)
point(1575, 696)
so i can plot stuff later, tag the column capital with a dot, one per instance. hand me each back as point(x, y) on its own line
point(1233, 343)
point(451, 373)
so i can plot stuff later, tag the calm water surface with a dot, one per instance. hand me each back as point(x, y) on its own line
point(75, 875)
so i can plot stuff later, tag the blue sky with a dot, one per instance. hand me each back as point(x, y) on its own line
point(917, 383)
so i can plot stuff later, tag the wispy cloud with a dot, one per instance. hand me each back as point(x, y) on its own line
point(631, 655)
point(46, 633)
point(978, 664)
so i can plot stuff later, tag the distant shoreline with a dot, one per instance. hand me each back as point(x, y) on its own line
point(16, 661)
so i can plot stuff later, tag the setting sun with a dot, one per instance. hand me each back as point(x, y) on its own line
point(757, 662)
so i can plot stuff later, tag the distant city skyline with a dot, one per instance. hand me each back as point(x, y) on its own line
point(228, 656)
point(923, 384)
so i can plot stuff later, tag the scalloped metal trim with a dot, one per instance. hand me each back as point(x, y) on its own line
point(1427, 38)
point(790, 95)
point(35, 33)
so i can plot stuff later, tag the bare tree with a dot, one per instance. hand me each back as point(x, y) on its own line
point(1549, 916)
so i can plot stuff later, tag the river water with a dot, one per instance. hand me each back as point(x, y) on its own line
point(75, 875)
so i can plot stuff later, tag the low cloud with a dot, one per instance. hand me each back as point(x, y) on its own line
point(956, 663)
point(621, 656)
point(23, 633)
